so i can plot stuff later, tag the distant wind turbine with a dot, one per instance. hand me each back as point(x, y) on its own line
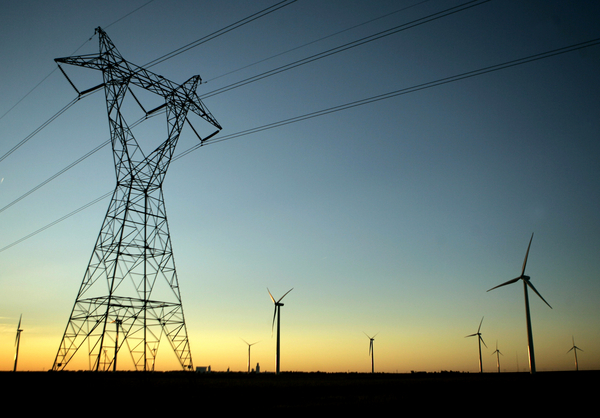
point(117, 322)
point(371, 353)
point(277, 314)
point(526, 283)
point(497, 353)
point(17, 343)
point(249, 345)
point(575, 348)
point(478, 334)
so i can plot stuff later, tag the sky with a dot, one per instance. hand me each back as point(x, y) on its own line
point(391, 218)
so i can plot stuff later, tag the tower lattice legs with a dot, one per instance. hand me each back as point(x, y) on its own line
point(129, 298)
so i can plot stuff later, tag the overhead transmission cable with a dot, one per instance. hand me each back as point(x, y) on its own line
point(358, 42)
point(228, 28)
point(372, 99)
point(318, 40)
point(398, 92)
point(39, 128)
point(74, 52)
point(220, 32)
point(278, 70)
point(345, 47)
point(165, 57)
point(130, 13)
point(51, 224)
point(70, 166)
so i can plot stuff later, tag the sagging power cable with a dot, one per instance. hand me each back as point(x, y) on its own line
point(372, 99)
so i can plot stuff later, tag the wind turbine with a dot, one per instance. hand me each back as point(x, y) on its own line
point(497, 353)
point(575, 348)
point(526, 283)
point(277, 314)
point(371, 353)
point(478, 334)
point(17, 343)
point(117, 322)
point(249, 345)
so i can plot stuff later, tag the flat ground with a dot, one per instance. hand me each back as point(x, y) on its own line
point(177, 392)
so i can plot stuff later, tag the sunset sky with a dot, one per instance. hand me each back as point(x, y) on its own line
point(391, 217)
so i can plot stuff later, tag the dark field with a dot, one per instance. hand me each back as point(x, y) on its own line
point(318, 393)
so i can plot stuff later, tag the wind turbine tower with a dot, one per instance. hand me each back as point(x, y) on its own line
point(480, 338)
point(277, 314)
point(371, 351)
point(497, 353)
point(18, 343)
point(527, 283)
point(131, 278)
point(574, 349)
point(249, 345)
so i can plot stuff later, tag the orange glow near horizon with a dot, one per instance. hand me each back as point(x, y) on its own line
point(392, 355)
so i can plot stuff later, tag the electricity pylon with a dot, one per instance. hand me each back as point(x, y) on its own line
point(130, 297)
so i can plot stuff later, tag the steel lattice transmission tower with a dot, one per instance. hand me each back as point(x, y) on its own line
point(130, 297)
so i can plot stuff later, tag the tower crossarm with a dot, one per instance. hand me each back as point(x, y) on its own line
point(110, 60)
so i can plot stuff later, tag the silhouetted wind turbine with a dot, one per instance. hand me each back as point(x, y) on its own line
point(277, 314)
point(478, 334)
point(117, 322)
point(526, 283)
point(249, 345)
point(575, 348)
point(17, 343)
point(371, 353)
point(497, 353)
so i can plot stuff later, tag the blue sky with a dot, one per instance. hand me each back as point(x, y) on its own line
point(393, 217)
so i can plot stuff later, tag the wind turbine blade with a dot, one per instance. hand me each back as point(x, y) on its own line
point(570, 349)
point(472, 335)
point(285, 294)
point(270, 295)
point(537, 293)
point(18, 331)
point(505, 283)
point(478, 329)
point(481, 338)
point(526, 255)
point(274, 315)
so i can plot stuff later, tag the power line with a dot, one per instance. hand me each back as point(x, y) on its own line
point(130, 13)
point(49, 179)
point(39, 128)
point(51, 224)
point(400, 92)
point(165, 57)
point(74, 52)
point(249, 19)
point(319, 40)
point(353, 44)
point(73, 164)
point(350, 105)
point(220, 32)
